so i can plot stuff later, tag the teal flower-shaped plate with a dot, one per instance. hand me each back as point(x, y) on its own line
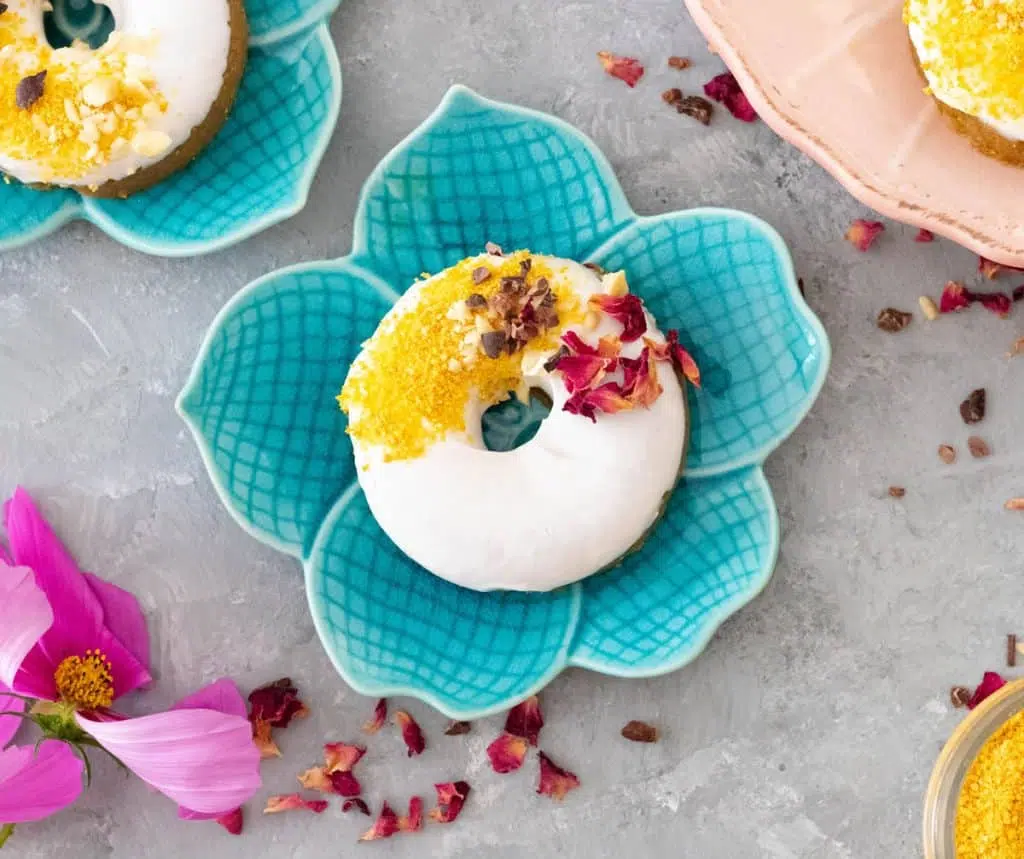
point(256, 172)
point(260, 402)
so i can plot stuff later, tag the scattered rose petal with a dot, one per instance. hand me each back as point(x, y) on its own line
point(640, 732)
point(385, 827)
point(1018, 293)
point(954, 298)
point(626, 309)
point(990, 684)
point(991, 270)
point(978, 447)
point(342, 757)
point(924, 235)
point(456, 729)
point(555, 781)
point(998, 302)
point(580, 372)
point(608, 399)
point(1016, 348)
point(293, 801)
point(232, 821)
point(947, 453)
point(451, 796)
point(411, 733)
point(380, 713)
point(263, 737)
point(525, 720)
point(640, 383)
point(897, 492)
point(413, 821)
point(672, 350)
point(726, 89)
point(507, 753)
point(316, 779)
point(863, 234)
point(1016, 504)
point(972, 410)
point(893, 321)
point(276, 703)
point(626, 69)
point(345, 784)
point(356, 803)
point(30, 90)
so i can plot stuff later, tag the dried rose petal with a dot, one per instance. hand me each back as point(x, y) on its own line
point(924, 235)
point(1018, 293)
point(954, 298)
point(626, 69)
point(316, 779)
point(555, 781)
point(385, 827)
point(413, 821)
point(293, 801)
point(581, 372)
point(451, 796)
point(342, 757)
point(608, 398)
point(627, 309)
point(345, 784)
point(672, 350)
point(380, 712)
point(263, 737)
point(998, 302)
point(992, 270)
point(457, 729)
point(607, 347)
point(276, 703)
point(726, 89)
point(640, 732)
point(640, 382)
point(411, 733)
point(356, 803)
point(525, 720)
point(862, 234)
point(990, 684)
point(232, 821)
point(507, 753)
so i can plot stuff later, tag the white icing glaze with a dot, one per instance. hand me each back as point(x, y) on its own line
point(191, 40)
point(921, 13)
point(561, 507)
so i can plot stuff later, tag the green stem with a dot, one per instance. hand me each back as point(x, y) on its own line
point(6, 831)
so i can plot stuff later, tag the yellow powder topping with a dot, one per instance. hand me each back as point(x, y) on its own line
point(96, 105)
point(980, 44)
point(990, 808)
point(418, 373)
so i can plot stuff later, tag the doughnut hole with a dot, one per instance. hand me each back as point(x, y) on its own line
point(511, 424)
point(81, 20)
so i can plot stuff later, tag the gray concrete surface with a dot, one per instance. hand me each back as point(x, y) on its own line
point(807, 729)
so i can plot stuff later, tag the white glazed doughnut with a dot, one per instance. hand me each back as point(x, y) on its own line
point(568, 503)
point(101, 116)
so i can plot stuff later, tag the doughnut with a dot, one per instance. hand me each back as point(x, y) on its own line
point(116, 120)
point(593, 481)
point(969, 53)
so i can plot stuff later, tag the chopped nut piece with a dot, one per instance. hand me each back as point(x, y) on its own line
point(640, 732)
point(457, 729)
point(947, 453)
point(30, 90)
point(699, 108)
point(893, 320)
point(591, 320)
point(493, 343)
point(1011, 650)
point(959, 696)
point(679, 63)
point(494, 250)
point(897, 492)
point(978, 447)
point(972, 410)
point(615, 284)
point(929, 308)
point(481, 274)
point(150, 143)
point(100, 91)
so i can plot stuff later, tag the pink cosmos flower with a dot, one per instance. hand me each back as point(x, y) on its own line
point(69, 638)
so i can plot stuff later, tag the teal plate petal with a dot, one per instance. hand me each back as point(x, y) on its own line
point(257, 171)
point(724, 278)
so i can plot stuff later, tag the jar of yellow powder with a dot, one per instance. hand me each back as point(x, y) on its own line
point(974, 808)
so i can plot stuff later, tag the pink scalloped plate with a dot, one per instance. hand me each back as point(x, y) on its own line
point(837, 79)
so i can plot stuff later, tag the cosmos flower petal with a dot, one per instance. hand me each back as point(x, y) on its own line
point(35, 783)
point(25, 615)
point(204, 760)
point(123, 617)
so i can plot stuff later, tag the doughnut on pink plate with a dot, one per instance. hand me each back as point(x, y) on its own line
point(837, 79)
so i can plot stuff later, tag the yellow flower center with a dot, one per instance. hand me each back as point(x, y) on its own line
point(86, 682)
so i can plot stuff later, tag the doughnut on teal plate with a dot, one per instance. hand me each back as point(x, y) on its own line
point(260, 402)
point(257, 171)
